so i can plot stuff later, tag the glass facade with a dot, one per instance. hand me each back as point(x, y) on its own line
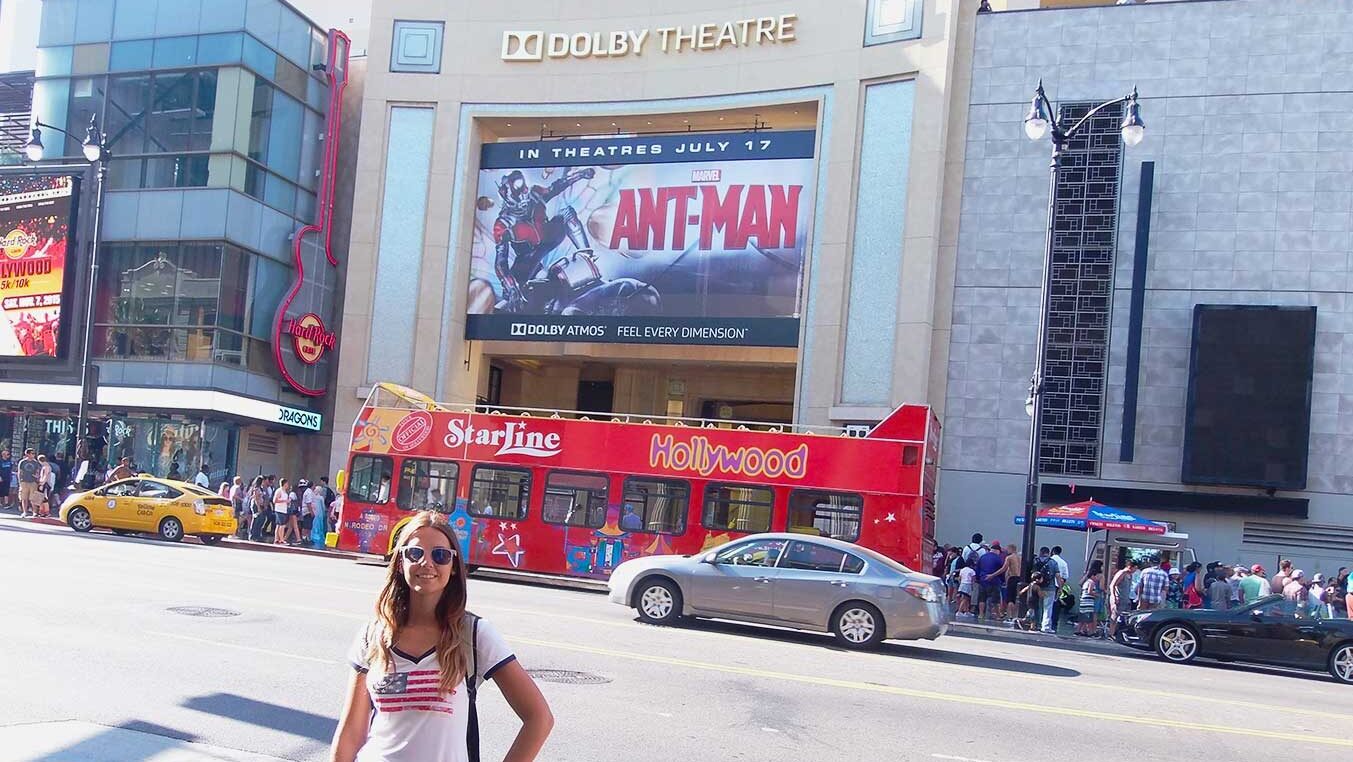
point(194, 302)
point(237, 104)
point(173, 449)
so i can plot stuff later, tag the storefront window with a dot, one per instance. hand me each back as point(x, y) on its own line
point(174, 449)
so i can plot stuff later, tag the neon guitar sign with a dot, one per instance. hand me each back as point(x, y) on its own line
point(300, 339)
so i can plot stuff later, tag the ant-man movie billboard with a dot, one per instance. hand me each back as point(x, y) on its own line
point(35, 232)
point(666, 239)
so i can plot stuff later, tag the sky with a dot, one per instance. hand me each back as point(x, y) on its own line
point(19, 26)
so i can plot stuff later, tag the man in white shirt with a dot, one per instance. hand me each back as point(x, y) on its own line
point(202, 480)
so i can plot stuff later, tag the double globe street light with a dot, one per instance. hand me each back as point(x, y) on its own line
point(1042, 122)
point(95, 150)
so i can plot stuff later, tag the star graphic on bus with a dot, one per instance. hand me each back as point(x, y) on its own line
point(510, 548)
point(890, 517)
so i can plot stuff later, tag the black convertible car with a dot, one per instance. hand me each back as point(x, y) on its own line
point(1272, 630)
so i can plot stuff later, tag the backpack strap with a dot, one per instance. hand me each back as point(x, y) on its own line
point(472, 690)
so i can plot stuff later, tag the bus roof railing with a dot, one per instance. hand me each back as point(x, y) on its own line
point(393, 396)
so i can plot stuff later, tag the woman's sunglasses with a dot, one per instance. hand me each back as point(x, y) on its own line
point(440, 556)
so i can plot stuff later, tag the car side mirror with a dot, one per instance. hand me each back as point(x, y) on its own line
point(709, 558)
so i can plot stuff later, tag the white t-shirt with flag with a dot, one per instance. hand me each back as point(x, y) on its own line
point(412, 721)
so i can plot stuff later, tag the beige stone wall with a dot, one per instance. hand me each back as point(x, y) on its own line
point(827, 54)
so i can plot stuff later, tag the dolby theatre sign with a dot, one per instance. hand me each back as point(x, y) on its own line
point(540, 45)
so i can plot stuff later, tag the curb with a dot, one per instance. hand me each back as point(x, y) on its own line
point(238, 544)
point(1061, 642)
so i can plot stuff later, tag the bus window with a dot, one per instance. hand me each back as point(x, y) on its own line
point(738, 509)
point(655, 505)
point(499, 492)
point(369, 481)
point(825, 514)
point(427, 485)
point(574, 499)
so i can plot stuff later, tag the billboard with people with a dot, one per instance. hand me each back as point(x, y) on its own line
point(35, 232)
point(668, 239)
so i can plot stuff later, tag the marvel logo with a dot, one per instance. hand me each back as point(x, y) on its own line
point(706, 175)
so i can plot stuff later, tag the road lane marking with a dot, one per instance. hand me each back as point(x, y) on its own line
point(1174, 695)
point(253, 649)
point(936, 696)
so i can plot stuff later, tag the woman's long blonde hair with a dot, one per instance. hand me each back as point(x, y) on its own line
point(392, 609)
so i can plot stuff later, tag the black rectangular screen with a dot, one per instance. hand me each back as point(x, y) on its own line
point(1248, 420)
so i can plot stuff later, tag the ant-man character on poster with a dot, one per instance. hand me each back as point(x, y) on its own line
point(524, 236)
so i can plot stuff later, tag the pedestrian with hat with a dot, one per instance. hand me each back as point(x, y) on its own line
point(1295, 589)
point(1254, 586)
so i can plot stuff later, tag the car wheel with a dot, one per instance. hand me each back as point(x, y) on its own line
point(171, 529)
point(858, 625)
point(1177, 643)
point(80, 520)
point(658, 601)
point(210, 539)
point(1341, 663)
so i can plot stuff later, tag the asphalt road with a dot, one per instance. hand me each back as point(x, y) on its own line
point(90, 636)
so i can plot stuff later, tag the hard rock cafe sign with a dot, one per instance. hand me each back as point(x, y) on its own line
point(300, 337)
point(309, 338)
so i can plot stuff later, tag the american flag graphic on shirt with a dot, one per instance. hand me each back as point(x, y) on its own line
point(414, 691)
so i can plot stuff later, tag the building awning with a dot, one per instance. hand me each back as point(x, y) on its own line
point(1090, 515)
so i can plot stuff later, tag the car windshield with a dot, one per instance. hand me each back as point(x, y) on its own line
point(1267, 600)
point(879, 558)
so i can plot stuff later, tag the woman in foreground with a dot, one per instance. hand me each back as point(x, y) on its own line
point(419, 664)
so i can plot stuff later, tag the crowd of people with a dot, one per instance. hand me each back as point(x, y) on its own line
point(985, 582)
point(30, 483)
point(275, 510)
point(267, 509)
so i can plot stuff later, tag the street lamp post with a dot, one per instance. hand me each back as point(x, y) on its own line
point(95, 150)
point(1042, 121)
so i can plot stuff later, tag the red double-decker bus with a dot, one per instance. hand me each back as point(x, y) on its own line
point(558, 493)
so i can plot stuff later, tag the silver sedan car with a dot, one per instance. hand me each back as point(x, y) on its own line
point(788, 580)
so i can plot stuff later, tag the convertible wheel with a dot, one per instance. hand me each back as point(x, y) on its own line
point(858, 625)
point(171, 529)
point(80, 520)
point(658, 602)
point(1177, 643)
point(1341, 663)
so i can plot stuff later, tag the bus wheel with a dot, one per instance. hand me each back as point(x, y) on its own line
point(658, 601)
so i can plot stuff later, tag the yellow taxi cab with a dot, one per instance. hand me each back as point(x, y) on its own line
point(165, 507)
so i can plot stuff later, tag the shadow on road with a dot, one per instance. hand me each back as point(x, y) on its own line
point(157, 740)
point(888, 648)
point(14, 525)
point(264, 714)
point(1236, 666)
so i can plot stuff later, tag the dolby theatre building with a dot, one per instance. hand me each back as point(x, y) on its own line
point(725, 210)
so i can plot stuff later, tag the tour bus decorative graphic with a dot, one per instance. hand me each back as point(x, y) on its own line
point(35, 231)
point(673, 239)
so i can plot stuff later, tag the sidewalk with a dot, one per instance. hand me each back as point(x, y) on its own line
point(1064, 640)
point(229, 542)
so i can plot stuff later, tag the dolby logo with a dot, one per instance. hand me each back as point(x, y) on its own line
point(523, 46)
